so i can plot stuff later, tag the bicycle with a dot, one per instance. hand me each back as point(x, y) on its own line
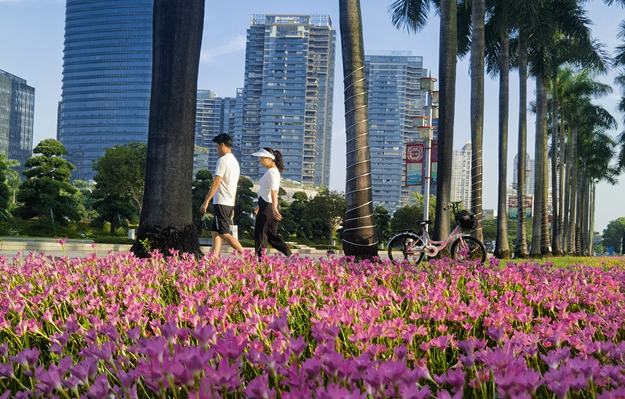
point(409, 245)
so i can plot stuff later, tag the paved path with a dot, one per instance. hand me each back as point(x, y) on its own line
point(11, 246)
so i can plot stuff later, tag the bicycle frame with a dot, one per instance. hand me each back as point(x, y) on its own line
point(430, 247)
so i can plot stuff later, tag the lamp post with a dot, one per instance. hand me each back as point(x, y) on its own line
point(426, 133)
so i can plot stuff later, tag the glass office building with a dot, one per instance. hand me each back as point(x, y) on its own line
point(107, 72)
point(394, 96)
point(17, 110)
point(287, 94)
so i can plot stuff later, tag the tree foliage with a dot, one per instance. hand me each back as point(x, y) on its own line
point(614, 233)
point(244, 206)
point(47, 192)
point(120, 172)
point(200, 188)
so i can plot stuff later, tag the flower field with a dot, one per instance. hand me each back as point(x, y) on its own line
point(175, 327)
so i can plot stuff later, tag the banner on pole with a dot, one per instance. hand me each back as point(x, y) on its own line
point(513, 206)
point(414, 164)
point(434, 163)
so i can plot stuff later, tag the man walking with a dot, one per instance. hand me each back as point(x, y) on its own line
point(223, 192)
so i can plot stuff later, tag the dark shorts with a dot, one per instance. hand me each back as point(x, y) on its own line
point(222, 217)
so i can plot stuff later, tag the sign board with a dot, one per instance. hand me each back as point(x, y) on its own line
point(414, 164)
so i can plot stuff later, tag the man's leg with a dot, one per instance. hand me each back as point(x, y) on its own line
point(229, 238)
point(216, 243)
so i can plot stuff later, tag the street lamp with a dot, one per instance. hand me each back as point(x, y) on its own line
point(426, 133)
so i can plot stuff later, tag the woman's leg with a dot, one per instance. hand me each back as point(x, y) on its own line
point(274, 239)
point(260, 237)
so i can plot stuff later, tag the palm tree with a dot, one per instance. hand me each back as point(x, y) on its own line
point(619, 62)
point(478, 11)
point(554, 19)
point(412, 14)
point(497, 48)
point(359, 237)
point(166, 222)
point(575, 90)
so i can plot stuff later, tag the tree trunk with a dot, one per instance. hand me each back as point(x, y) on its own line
point(539, 165)
point(574, 208)
point(561, 210)
point(359, 235)
point(566, 209)
point(478, 10)
point(166, 219)
point(447, 86)
point(520, 250)
point(556, 157)
point(544, 169)
point(502, 248)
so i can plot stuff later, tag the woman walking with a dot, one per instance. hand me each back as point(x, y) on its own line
point(267, 213)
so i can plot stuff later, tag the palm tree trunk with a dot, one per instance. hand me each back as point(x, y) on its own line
point(574, 194)
point(541, 175)
point(502, 248)
point(580, 211)
point(359, 236)
point(584, 219)
point(166, 220)
point(520, 250)
point(561, 209)
point(567, 196)
point(478, 10)
point(447, 86)
point(556, 157)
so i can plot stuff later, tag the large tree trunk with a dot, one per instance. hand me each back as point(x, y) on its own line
point(359, 236)
point(566, 209)
point(478, 10)
point(447, 86)
point(520, 249)
point(573, 200)
point(502, 248)
point(561, 173)
point(539, 242)
point(166, 222)
point(556, 157)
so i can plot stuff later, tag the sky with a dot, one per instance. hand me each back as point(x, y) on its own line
point(32, 48)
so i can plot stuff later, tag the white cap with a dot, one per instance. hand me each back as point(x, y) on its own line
point(264, 153)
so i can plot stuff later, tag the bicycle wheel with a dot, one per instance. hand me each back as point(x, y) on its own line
point(468, 248)
point(406, 247)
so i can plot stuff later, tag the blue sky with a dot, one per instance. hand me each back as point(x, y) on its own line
point(32, 48)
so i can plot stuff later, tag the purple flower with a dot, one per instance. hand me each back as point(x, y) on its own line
point(297, 345)
point(258, 388)
point(27, 358)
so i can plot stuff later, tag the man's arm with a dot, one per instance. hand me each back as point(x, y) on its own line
point(211, 193)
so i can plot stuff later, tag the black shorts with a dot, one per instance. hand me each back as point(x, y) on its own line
point(222, 217)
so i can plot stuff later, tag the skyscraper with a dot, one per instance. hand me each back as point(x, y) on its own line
point(461, 175)
point(394, 96)
point(287, 95)
point(107, 73)
point(17, 109)
point(215, 115)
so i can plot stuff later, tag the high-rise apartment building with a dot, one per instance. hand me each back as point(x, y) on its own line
point(17, 109)
point(107, 73)
point(461, 175)
point(394, 96)
point(287, 95)
point(215, 115)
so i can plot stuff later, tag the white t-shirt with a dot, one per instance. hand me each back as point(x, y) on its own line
point(228, 168)
point(269, 182)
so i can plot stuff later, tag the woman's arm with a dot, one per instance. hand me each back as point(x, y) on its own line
point(274, 205)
